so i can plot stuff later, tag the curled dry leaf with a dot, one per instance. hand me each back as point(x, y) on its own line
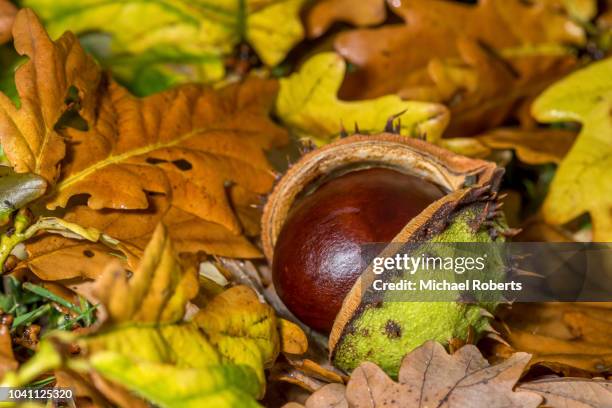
point(581, 183)
point(429, 376)
point(572, 392)
point(326, 12)
point(480, 59)
point(538, 146)
point(204, 32)
point(158, 290)
point(28, 134)
point(293, 339)
point(308, 104)
point(566, 338)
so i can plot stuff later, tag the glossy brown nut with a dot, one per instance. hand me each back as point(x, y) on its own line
point(317, 257)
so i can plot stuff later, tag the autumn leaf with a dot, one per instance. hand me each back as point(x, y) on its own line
point(361, 14)
point(571, 392)
point(7, 17)
point(28, 134)
point(581, 183)
point(53, 257)
point(199, 35)
point(568, 339)
point(308, 104)
point(158, 290)
point(7, 357)
point(532, 146)
point(429, 376)
point(17, 190)
point(479, 59)
point(186, 143)
point(202, 149)
point(215, 360)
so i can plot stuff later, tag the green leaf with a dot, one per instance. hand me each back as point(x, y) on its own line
point(17, 190)
point(582, 183)
point(308, 104)
point(199, 34)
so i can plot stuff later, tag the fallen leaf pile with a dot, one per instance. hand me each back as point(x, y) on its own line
point(139, 141)
point(430, 377)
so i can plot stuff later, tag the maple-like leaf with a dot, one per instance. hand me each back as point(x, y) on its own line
point(199, 35)
point(429, 376)
point(582, 182)
point(308, 104)
point(479, 59)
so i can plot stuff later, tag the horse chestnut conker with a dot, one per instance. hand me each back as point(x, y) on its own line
point(317, 257)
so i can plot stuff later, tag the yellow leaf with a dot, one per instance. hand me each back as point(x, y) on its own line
point(217, 360)
point(308, 104)
point(158, 290)
point(204, 33)
point(582, 182)
point(243, 329)
point(293, 339)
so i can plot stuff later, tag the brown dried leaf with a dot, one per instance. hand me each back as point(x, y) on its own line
point(8, 11)
point(532, 146)
point(429, 376)
point(7, 358)
point(293, 339)
point(52, 257)
point(201, 149)
point(358, 13)
point(572, 392)
point(28, 134)
point(186, 143)
point(479, 59)
point(571, 339)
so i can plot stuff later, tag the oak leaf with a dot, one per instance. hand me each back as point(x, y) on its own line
point(535, 146)
point(215, 360)
point(53, 257)
point(199, 34)
point(200, 149)
point(28, 133)
point(308, 104)
point(572, 392)
point(582, 181)
point(429, 376)
point(479, 59)
point(324, 13)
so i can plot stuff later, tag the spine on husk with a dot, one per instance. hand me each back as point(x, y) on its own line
point(368, 328)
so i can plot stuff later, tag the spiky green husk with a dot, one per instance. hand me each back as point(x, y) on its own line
point(385, 331)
